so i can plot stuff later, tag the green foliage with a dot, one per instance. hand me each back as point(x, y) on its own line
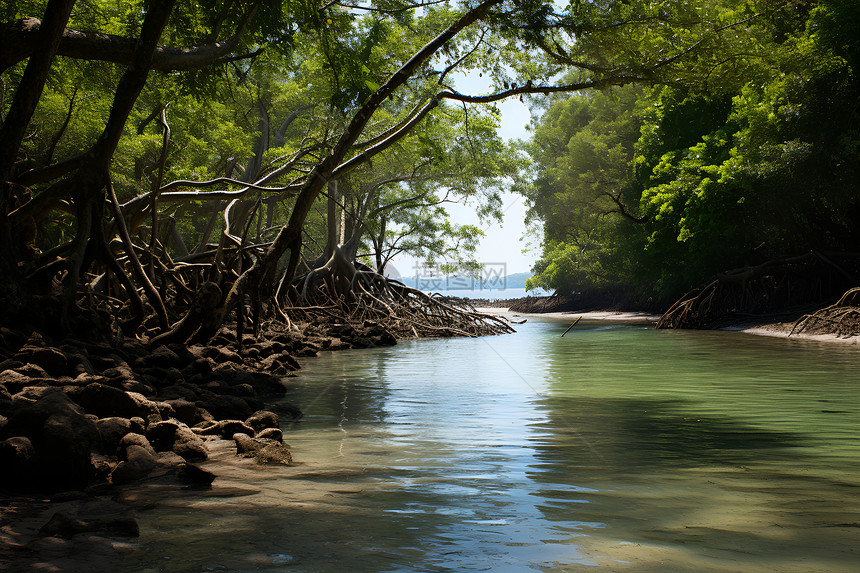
point(734, 138)
point(726, 173)
point(582, 148)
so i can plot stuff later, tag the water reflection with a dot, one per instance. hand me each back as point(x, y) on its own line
point(618, 447)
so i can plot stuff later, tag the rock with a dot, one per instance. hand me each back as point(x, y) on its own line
point(142, 387)
point(80, 364)
point(263, 451)
point(105, 401)
point(32, 394)
point(102, 467)
point(14, 381)
point(384, 338)
point(53, 360)
point(161, 356)
point(361, 342)
point(273, 453)
point(287, 410)
point(32, 371)
point(232, 374)
point(10, 364)
point(240, 390)
point(153, 419)
point(262, 419)
point(338, 344)
point(112, 431)
point(190, 446)
point(196, 475)
point(170, 460)
point(18, 457)
point(94, 515)
point(138, 464)
point(63, 438)
point(85, 379)
point(280, 363)
point(267, 385)
point(210, 428)
point(123, 373)
point(203, 365)
point(160, 377)
point(179, 391)
point(162, 435)
point(185, 411)
point(165, 410)
point(222, 355)
point(227, 407)
point(228, 428)
point(274, 434)
point(245, 444)
point(197, 351)
point(134, 439)
point(179, 438)
point(269, 347)
point(10, 339)
point(182, 352)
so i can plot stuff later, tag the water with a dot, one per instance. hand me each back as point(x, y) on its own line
point(615, 448)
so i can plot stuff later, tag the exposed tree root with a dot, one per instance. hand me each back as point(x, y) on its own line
point(771, 287)
point(841, 318)
point(344, 292)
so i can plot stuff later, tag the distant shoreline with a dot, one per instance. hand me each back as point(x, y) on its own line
point(775, 326)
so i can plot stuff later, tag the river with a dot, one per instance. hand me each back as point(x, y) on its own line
point(615, 447)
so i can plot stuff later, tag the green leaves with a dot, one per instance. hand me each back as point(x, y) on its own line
point(730, 168)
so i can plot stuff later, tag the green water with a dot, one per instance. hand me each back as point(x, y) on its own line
point(616, 448)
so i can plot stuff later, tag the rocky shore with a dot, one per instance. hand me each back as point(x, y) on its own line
point(78, 419)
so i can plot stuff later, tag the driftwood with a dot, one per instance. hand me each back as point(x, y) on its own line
point(578, 318)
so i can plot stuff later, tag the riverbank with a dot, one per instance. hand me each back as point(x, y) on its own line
point(627, 317)
point(81, 420)
point(779, 326)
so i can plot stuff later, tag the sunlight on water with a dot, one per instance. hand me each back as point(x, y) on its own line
point(615, 447)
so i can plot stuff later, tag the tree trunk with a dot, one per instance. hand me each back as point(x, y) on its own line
point(331, 220)
point(12, 293)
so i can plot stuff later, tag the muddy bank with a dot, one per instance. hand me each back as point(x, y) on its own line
point(78, 420)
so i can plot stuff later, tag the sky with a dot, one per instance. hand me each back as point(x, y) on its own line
point(502, 243)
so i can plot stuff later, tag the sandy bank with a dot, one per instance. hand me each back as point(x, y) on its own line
point(773, 328)
point(604, 315)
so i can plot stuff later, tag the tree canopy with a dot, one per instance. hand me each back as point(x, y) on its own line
point(150, 147)
point(650, 191)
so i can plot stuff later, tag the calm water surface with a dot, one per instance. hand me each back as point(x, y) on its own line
point(616, 448)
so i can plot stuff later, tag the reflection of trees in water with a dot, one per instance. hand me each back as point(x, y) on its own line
point(652, 475)
point(338, 394)
point(621, 434)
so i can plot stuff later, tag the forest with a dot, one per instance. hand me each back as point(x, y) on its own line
point(168, 167)
point(746, 170)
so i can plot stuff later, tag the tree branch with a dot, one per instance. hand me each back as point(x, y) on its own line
point(20, 39)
